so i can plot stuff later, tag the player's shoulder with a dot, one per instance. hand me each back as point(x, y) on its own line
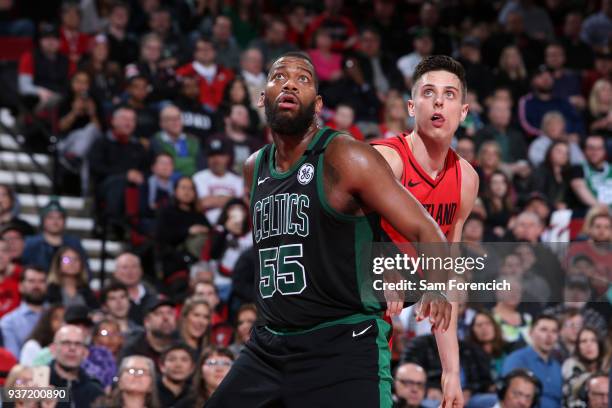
point(469, 176)
point(345, 152)
point(249, 164)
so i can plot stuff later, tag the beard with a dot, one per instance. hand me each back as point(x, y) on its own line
point(162, 334)
point(285, 124)
point(36, 298)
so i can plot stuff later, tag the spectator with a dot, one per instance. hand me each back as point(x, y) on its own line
point(344, 31)
point(597, 27)
point(252, 70)
point(514, 324)
point(95, 15)
point(184, 148)
point(73, 43)
point(533, 106)
point(159, 332)
point(410, 385)
point(135, 385)
point(176, 366)
point(69, 349)
point(586, 360)
point(489, 161)
point(17, 325)
point(328, 64)
point(123, 46)
point(42, 334)
point(498, 203)
point(106, 76)
point(571, 323)
point(128, 271)
point(477, 74)
point(67, 281)
point(236, 129)
point(273, 44)
point(246, 21)
point(536, 357)
point(101, 363)
point(230, 237)
point(213, 365)
point(228, 51)
point(195, 323)
point(12, 235)
point(138, 91)
point(213, 78)
point(221, 332)
point(9, 211)
point(537, 21)
point(467, 150)
point(116, 160)
point(343, 121)
point(217, 185)
point(597, 391)
point(553, 130)
point(157, 69)
point(237, 93)
point(245, 321)
point(182, 229)
point(396, 119)
point(566, 83)
point(379, 70)
point(520, 388)
point(19, 376)
point(43, 73)
point(79, 125)
point(509, 139)
point(551, 177)
point(528, 226)
point(196, 119)
point(11, 24)
point(9, 282)
point(174, 47)
point(599, 107)
point(116, 305)
point(486, 334)
point(523, 263)
point(590, 180)
point(423, 46)
point(298, 19)
point(511, 72)
point(579, 54)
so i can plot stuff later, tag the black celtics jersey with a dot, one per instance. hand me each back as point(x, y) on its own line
point(311, 257)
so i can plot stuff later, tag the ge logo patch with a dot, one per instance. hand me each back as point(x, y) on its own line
point(305, 174)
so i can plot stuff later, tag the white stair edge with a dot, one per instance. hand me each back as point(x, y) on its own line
point(24, 178)
point(37, 201)
point(72, 223)
point(95, 265)
point(91, 245)
point(7, 142)
point(15, 158)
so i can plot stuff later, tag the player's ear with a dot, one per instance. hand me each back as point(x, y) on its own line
point(410, 105)
point(318, 104)
point(464, 111)
point(260, 100)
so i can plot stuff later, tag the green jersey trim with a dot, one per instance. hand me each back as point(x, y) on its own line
point(256, 172)
point(351, 319)
point(284, 174)
point(384, 364)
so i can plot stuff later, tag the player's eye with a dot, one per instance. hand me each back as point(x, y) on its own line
point(428, 92)
point(278, 76)
point(450, 94)
point(303, 78)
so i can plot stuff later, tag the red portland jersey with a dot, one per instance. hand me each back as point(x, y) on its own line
point(440, 197)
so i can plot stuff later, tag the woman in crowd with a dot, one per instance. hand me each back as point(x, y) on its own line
point(245, 319)
point(231, 236)
point(599, 114)
point(67, 280)
point(514, 324)
point(486, 334)
point(9, 210)
point(237, 93)
point(182, 228)
point(551, 177)
point(328, 64)
point(101, 362)
point(42, 334)
point(194, 323)
point(511, 72)
point(586, 360)
point(212, 367)
point(395, 118)
point(498, 203)
point(489, 161)
point(136, 386)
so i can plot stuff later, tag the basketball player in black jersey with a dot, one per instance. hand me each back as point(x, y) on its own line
point(316, 198)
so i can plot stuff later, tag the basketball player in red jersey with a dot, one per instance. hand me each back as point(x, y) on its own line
point(423, 161)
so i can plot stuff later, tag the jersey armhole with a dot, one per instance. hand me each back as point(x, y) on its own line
point(321, 190)
point(256, 172)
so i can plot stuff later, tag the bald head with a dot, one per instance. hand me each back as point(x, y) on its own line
point(170, 120)
point(128, 269)
point(528, 227)
point(410, 382)
point(69, 347)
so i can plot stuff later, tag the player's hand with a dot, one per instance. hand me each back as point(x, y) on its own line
point(452, 397)
point(394, 298)
point(437, 308)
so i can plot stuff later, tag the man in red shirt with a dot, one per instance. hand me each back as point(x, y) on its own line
point(9, 286)
point(73, 43)
point(213, 78)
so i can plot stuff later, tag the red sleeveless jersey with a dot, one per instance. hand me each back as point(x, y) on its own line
point(440, 197)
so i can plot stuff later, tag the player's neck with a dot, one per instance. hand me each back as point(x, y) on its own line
point(289, 148)
point(430, 154)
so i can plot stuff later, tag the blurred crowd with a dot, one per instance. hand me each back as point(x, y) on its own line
point(151, 107)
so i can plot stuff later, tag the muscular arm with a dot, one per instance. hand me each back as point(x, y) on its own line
point(247, 174)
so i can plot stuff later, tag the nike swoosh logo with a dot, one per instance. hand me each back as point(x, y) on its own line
point(361, 332)
point(411, 184)
point(261, 181)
